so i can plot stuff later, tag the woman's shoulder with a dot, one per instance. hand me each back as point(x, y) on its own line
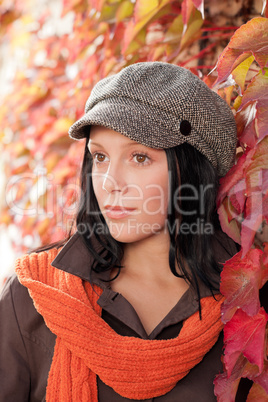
point(15, 299)
point(17, 305)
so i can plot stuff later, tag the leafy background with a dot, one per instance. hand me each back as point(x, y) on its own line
point(59, 50)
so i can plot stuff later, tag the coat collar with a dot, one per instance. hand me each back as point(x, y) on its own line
point(76, 259)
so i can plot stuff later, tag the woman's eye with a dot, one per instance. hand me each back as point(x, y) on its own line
point(99, 157)
point(141, 158)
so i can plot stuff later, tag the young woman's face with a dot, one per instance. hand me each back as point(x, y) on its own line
point(130, 182)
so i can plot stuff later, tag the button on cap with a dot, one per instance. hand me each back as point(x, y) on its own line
point(185, 127)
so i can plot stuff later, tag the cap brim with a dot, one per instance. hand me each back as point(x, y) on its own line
point(135, 120)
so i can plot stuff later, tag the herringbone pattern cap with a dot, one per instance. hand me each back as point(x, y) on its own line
point(162, 105)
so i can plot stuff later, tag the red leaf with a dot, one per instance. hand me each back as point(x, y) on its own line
point(262, 120)
point(250, 169)
point(262, 379)
point(187, 8)
point(228, 61)
point(265, 261)
point(246, 125)
point(225, 388)
point(235, 174)
point(199, 4)
point(257, 89)
point(254, 105)
point(228, 220)
point(237, 196)
point(253, 219)
point(250, 38)
point(241, 280)
point(245, 335)
point(265, 9)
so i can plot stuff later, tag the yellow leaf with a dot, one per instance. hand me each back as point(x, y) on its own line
point(175, 30)
point(18, 148)
point(52, 161)
point(144, 7)
point(237, 102)
point(133, 29)
point(21, 40)
point(240, 72)
point(193, 30)
point(63, 124)
point(228, 94)
point(136, 44)
point(42, 226)
point(61, 174)
point(125, 10)
point(108, 12)
point(5, 218)
point(158, 52)
point(27, 19)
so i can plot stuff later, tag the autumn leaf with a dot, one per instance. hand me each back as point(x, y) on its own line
point(241, 280)
point(246, 335)
point(225, 388)
point(242, 193)
point(246, 125)
point(255, 96)
point(144, 7)
point(240, 72)
point(125, 10)
point(250, 39)
point(187, 8)
point(261, 379)
point(136, 30)
point(265, 258)
point(226, 385)
point(257, 393)
point(193, 31)
point(234, 175)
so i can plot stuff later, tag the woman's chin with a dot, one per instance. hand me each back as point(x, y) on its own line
point(124, 234)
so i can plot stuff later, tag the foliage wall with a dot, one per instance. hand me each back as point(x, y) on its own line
point(65, 49)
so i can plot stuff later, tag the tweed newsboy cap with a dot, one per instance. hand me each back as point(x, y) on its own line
point(162, 105)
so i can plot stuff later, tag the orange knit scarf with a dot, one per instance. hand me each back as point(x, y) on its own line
point(87, 346)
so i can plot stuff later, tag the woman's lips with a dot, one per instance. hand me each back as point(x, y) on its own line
point(118, 212)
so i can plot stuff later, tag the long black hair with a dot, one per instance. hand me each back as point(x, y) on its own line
point(192, 219)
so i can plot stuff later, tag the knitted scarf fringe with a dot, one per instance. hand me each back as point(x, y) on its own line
point(87, 346)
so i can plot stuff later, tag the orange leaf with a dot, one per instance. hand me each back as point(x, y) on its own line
point(257, 393)
point(250, 39)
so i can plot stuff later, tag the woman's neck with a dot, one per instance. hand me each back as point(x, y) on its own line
point(148, 258)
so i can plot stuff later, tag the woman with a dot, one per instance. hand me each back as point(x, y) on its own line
point(129, 308)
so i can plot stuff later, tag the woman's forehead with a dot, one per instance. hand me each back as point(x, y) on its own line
point(103, 136)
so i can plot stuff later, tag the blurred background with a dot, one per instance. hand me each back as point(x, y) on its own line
point(51, 54)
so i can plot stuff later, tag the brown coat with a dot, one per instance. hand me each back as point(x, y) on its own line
point(26, 344)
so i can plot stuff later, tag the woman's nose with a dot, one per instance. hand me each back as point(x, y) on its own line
point(113, 180)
